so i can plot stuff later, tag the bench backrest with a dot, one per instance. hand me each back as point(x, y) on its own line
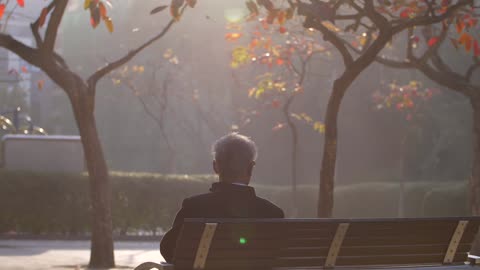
point(238, 244)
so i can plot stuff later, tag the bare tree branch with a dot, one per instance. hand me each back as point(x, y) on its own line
point(95, 77)
point(53, 24)
point(328, 35)
point(34, 26)
point(27, 53)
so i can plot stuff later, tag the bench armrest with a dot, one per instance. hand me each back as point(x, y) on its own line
point(151, 265)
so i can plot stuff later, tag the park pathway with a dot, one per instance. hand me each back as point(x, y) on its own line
point(60, 255)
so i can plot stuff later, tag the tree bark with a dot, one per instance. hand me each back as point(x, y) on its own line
point(475, 179)
point(327, 172)
point(293, 154)
point(101, 253)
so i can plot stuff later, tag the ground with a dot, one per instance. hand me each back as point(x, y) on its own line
point(60, 255)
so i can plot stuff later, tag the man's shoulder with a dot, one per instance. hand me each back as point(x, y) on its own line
point(273, 210)
point(198, 198)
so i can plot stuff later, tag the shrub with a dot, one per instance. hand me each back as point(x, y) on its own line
point(41, 203)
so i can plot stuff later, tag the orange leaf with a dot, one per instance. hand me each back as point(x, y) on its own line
point(280, 61)
point(232, 36)
point(40, 84)
point(466, 40)
point(282, 30)
point(175, 8)
point(43, 17)
point(103, 10)
point(282, 17)
point(24, 69)
point(21, 3)
point(460, 26)
point(2, 10)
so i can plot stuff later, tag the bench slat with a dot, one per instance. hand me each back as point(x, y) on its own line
point(322, 252)
point(252, 264)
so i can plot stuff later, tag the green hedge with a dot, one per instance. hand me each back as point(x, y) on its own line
point(58, 203)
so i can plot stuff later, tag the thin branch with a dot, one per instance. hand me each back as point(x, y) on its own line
point(329, 36)
point(53, 24)
point(95, 77)
point(34, 26)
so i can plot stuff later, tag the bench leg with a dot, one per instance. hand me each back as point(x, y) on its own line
point(151, 265)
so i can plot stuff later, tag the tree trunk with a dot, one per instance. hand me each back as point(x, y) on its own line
point(101, 253)
point(293, 157)
point(327, 172)
point(475, 179)
point(474, 185)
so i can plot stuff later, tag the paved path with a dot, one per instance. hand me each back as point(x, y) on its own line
point(59, 255)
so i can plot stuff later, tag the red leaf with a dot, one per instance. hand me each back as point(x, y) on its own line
point(282, 29)
point(21, 3)
point(476, 48)
point(405, 13)
point(43, 17)
point(432, 41)
point(2, 10)
point(24, 69)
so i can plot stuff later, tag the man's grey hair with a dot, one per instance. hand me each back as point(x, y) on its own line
point(234, 153)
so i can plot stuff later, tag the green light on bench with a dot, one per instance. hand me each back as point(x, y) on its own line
point(242, 241)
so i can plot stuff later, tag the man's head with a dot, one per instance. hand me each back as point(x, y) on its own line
point(234, 157)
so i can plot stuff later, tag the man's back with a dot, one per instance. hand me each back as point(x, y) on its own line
point(224, 201)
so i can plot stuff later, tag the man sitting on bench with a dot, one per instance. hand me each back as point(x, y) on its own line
point(231, 197)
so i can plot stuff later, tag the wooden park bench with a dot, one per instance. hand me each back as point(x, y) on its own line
point(251, 244)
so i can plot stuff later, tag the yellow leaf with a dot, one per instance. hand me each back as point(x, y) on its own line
point(109, 23)
point(86, 4)
point(319, 126)
point(259, 93)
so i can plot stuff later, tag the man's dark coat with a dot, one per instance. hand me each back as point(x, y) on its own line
point(224, 201)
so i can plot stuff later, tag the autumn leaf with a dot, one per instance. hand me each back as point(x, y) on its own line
point(319, 126)
point(476, 48)
point(158, 9)
point(432, 41)
point(21, 3)
point(191, 3)
point(86, 4)
point(24, 69)
point(466, 40)
point(232, 36)
point(175, 8)
point(282, 29)
point(282, 17)
point(43, 17)
point(40, 84)
point(460, 26)
point(2, 10)
point(103, 10)
point(109, 24)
